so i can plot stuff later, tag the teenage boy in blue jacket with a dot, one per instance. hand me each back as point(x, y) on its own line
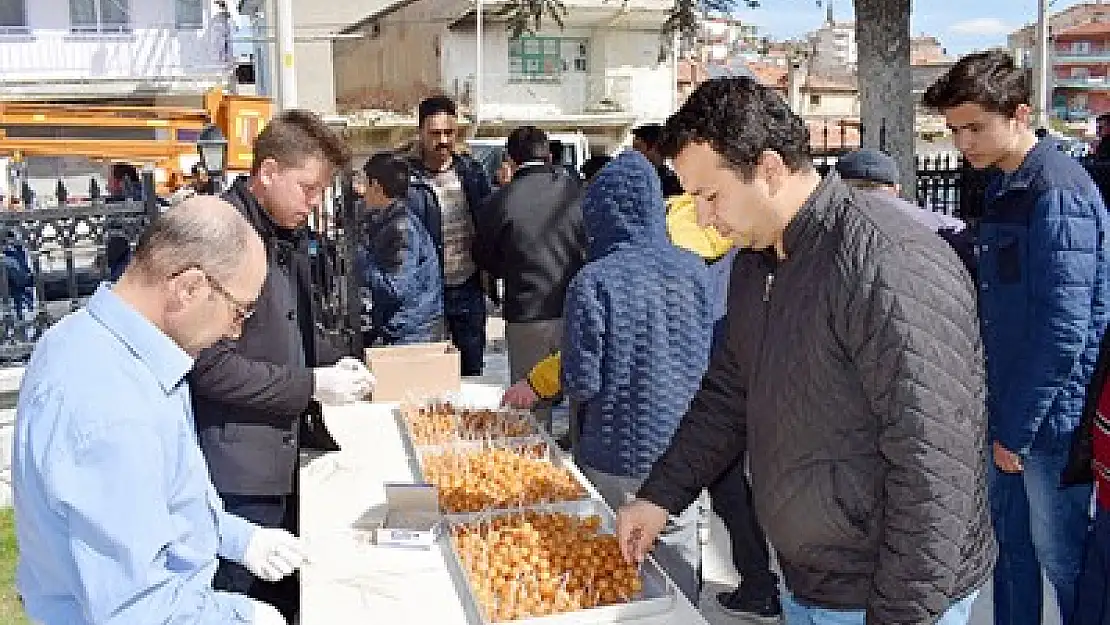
point(397, 260)
point(1044, 291)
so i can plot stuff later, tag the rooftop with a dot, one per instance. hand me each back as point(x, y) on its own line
point(1090, 28)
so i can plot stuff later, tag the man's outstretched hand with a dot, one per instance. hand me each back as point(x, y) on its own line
point(639, 523)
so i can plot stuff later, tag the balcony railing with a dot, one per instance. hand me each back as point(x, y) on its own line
point(53, 57)
point(1089, 82)
point(1067, 56)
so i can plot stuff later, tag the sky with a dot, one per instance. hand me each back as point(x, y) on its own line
point(961, 25)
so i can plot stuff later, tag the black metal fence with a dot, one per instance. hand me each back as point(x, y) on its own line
point(335, 284)
point(53, 259)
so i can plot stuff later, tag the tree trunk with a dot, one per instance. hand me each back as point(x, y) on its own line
point(886, 92)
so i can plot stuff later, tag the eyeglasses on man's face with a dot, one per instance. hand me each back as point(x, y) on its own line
point(241, 311)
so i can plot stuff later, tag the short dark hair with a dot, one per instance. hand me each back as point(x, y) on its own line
point(990, 79)
point(594, 164)
point(740, 119)
point(390, 171)
point(528, 143)
point(1103, 119)
point(651, 134)
point(295, 135)
point(434, 106)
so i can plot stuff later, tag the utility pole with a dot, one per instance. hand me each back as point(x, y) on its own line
point(1042, 90)
point(283, 25)
point(478, 70)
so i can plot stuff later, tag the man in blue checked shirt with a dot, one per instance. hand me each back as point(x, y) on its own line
point(116, 518)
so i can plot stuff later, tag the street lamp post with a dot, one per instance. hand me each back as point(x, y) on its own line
point(212, 147)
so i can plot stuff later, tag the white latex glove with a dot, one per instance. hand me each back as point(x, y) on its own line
point(347, 381)
point(273, 554)
point(266, 614)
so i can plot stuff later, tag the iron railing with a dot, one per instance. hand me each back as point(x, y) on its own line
point(53, 259)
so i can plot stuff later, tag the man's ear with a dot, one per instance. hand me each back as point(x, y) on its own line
point(266, 171)
point(186, 286)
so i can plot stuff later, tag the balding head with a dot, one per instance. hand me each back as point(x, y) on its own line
point(202, 231)
point(197, 272)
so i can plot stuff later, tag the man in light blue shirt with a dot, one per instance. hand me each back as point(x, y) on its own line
point(116, 518)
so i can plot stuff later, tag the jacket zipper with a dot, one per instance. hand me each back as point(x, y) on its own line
point(768, 284)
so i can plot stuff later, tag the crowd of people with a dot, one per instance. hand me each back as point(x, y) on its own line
point(899, 406)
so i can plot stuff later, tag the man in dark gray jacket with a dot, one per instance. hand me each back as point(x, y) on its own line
point(851, 372)
point(249, 394)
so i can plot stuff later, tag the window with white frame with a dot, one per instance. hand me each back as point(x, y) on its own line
point(13, 16)
point(189, 14)
point(1081, 47)
point(99, 16)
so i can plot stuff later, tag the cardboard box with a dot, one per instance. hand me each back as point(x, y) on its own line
point(414, 372)
point(412, 517)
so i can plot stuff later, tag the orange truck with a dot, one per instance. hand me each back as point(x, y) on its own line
point(161, 136)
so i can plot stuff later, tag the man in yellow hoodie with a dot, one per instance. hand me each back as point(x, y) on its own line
point(757, 595)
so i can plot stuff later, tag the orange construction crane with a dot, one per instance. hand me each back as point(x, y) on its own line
point(162, 136)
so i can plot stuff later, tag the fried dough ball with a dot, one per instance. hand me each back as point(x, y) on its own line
point(497, 478)
point(535, 564)
point(438, 424)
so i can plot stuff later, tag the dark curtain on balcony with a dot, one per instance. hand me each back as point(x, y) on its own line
point(189, 14)
point(99, 15)
point(13, 14)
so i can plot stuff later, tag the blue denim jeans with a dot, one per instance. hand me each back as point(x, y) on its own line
point(1037, 524)
point(794, 613)
point(464, 313)
point(1093, 599)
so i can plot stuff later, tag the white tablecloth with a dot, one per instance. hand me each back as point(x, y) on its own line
point(350, 581)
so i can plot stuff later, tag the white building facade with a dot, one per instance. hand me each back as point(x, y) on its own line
point(61, 49)
point(604, 71)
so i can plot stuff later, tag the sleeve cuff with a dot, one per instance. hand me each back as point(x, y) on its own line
point(544, 377)
point(240, 606)
point(235, 534)
point(651, 490)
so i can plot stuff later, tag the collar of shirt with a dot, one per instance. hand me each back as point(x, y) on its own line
point(165, 359)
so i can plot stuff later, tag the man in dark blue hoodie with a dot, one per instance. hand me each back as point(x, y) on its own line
point(638, 327)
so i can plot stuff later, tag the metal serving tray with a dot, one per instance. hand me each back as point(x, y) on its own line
point(658, 595)
point(551, 454)
point(524, 417)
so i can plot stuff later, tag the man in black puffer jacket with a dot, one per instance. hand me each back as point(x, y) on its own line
point(851, 372)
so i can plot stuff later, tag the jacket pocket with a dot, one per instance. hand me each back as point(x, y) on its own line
point(821, 521)
point(1009, 259)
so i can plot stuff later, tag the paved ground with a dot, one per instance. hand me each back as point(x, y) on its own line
point(717, 565)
